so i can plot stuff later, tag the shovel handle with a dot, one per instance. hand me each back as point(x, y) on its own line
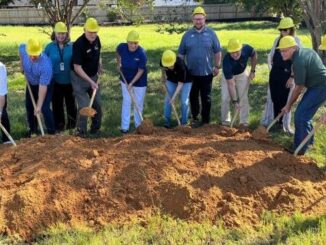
point(172, 104)
point(240, 98)
point(34, 105)
point(92, 98)
point(132, 96)
point(305, 140)
point(274, 121)
point(8, 135)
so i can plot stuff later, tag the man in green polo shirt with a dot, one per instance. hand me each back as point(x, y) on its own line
point(310, 73)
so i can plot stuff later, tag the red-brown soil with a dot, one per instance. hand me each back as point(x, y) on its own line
point(210, 173)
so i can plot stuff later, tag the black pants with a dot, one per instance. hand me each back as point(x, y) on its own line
point(279, 91)
point(202, 85)
point(46, 110)
point(63, 94)
point(5, 121)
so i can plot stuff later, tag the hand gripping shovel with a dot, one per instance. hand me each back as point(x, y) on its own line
point(89, 111)
point(8, 135)
point(38, 116)
point(306, 139)
point(240, 98)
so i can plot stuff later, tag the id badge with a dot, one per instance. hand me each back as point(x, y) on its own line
point(62, 66)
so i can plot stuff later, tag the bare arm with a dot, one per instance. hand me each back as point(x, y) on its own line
point(232, 90)
point(253, 61)
point(217, 57)
point(41, 96)
point(118, 59)
point(2, 104)
point(163, 75)
point(79, 70)
point(296, 93)
point(177, 91)
point(136, 77)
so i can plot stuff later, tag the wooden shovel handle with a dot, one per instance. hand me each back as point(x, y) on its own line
point(34, 105)
point(274, 121)
point(305, 140)
point(173, 107)
point(8, 135)
point(132, 97)
point(92, 98)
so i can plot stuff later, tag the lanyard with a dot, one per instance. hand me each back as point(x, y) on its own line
point(60, 52)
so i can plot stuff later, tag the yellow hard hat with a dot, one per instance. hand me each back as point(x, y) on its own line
point(91, 25)
point(133, 36)
point(168, 58)
point(234, 45)
point(285, 23)
point(60, 27)
point(199, 10)
point(287, 42)
point(33, 47)
point(323, 43)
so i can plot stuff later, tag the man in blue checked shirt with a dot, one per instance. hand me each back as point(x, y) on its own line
point(37, 69)
point(201, 50)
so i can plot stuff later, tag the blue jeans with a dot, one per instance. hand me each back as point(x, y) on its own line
point(308, 106)
point(46, 110)
point(184, 101)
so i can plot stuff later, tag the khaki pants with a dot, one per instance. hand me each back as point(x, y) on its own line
point(241, 81)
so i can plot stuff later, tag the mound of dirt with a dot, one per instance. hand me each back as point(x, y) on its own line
point(211, 174)
point(146, 127)
point(260, 133)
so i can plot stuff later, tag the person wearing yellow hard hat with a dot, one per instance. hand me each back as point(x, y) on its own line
point(322, 46)
point(37, 68)
point(236, 79)
point(176, 78)
point(131, 64)
point(310, 75)
point(60, 53)
point(201, 50)
point(280, 79)
point(4, 119)
point(87, 66)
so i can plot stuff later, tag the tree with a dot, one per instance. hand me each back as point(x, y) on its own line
point(4, 3)
point(315, 18)
point(57, 10)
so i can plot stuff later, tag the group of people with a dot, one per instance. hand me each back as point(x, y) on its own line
point(68, 74)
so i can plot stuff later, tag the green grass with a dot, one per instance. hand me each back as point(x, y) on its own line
point(258, 34)
point(163, 230)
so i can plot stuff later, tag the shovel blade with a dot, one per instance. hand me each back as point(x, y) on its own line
point(87, 112)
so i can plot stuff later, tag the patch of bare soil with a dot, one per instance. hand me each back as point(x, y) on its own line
point(211, 173)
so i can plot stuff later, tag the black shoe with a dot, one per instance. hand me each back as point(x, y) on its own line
point(124, 131)
point(291, 151)
point(94, 131)
point(167, 126)
point(80, 134)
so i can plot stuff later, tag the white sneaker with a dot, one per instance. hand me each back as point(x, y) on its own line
point(7, 142)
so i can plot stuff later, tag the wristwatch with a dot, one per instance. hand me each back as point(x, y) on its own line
point(235, 101)
point(253, 71)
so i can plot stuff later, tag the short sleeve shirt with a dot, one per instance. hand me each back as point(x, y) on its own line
point(87, 55)
point(199, 49)
point(58, 56)
point(235, 67)
point(3, 80)
point(131, 62)
point(308, 68)
point(179, 73)
point(37, 72)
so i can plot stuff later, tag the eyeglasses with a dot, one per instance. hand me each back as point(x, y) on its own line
point(284, 30)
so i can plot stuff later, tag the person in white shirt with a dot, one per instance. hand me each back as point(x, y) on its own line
point(4, 119)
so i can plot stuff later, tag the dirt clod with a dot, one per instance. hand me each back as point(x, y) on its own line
point(260, 133)
point(146, 127)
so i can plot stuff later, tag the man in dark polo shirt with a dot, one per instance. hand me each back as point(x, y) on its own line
point(235, 80)
point(86, 67)
point(310, 73)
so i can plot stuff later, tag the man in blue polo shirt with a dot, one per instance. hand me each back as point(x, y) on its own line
point(310, 73)
point(235, 80)
point(84, 77)
point(201, 50)
point(37, 68)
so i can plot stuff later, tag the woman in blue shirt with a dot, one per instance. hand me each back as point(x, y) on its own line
point(60, 53)
point(131, 60)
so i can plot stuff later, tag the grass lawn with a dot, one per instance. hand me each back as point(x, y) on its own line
point(260, 35)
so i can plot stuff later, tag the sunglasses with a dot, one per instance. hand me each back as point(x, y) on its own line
point(284, 29)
